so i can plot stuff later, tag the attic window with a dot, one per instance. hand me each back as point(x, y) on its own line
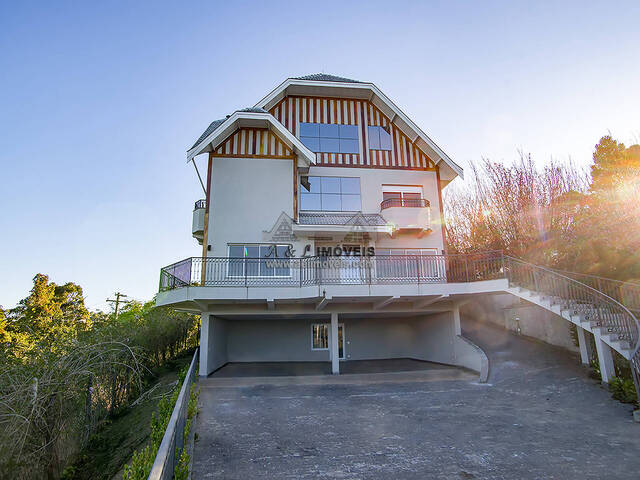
point(330, 138)
point(379, 138)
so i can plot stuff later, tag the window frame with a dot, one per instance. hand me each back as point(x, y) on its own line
point(303, 192)
point(401, 191)
point(326, 327)
point(341, 134)
point(377, 136)
point(244, 258)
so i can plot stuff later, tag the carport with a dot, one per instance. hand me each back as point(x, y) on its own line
point(332, 342)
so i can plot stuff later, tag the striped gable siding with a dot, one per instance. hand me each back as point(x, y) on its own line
point(253, 142)
point(293, 110)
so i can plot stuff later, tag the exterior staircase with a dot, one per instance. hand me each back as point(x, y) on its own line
point(607, 318)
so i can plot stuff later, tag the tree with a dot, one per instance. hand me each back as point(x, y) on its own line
point(4, 335)
point(50, 313)
point(611, 227)
point(613, 165)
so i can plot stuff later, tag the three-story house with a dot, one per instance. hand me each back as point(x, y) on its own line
point(322, 235)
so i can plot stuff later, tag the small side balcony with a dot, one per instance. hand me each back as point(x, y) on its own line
point(197, 224)
point(408, 214)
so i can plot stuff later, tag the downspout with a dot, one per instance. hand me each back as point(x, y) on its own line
point(205, 236)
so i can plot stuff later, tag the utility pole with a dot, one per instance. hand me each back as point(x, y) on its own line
point(117, 301)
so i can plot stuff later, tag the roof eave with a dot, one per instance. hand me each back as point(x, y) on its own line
point(234, 121)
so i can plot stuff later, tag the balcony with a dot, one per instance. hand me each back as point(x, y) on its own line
point(323, 271)
point(408, 214)
point(197, 224)
point(404, 202)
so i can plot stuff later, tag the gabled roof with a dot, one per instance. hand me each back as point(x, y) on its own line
point(216, 123)
point(325, 77)
point(219, 130)
point(321, 84)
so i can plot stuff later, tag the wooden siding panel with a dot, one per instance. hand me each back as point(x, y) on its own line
point(404, 154)
point(255, 143)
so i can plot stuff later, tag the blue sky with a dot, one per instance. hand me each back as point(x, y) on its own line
point(100, 100)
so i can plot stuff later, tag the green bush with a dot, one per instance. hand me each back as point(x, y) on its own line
point(623, 390)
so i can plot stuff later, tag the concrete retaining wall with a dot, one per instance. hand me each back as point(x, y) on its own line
point(513, 314)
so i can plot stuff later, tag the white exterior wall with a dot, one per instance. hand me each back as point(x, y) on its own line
point(426, 337)
point(247, 197)
point(371, 182)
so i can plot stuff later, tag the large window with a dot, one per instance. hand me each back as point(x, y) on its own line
point(330, 138)
point(259, 261)
point(379, 138)
point(331, 194)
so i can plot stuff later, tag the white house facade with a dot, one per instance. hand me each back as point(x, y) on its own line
point(322, 236)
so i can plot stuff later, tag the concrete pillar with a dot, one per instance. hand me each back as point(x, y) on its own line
point(457, 330)
point(203, 365)
point(335, 353)
point(585, 346)
point(605, 358)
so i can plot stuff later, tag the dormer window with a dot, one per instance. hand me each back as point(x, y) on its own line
point(329, 137)
point(379, 138)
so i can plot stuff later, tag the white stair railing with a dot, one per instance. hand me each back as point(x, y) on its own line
point(604, 312)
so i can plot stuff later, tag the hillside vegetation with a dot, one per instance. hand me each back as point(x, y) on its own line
point(558, 216)
point(65, 371)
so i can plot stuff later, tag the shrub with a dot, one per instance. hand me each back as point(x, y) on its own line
point(623, 390)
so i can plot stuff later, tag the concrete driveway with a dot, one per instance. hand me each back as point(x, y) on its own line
point(539, 417)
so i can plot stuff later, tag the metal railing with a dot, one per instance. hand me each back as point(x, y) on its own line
point(627, 293)
point(173, 440)
point(602, 310)
point(342, 270)
point(404, 202)
point(202, 203)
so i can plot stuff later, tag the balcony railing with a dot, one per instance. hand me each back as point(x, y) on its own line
point(404, 202)
point(200, 204)
point(344, 270)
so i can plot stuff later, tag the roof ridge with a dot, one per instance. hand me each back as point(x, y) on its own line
point(326, 77)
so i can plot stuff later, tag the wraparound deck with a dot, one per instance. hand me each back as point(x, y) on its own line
point(331, 270)
point(383, 280)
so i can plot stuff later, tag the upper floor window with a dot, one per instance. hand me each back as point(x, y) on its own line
point(402, 196)
point(379, 138)
point(332, 194)
point(329, 138)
